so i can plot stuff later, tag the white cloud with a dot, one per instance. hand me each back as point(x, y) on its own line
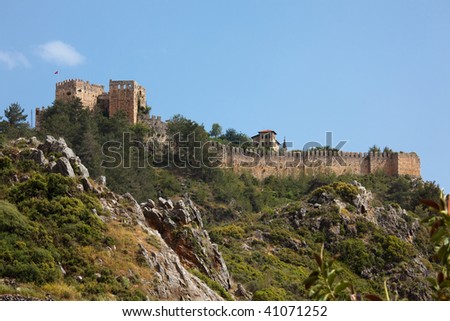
point(12, 59)
point(60, 53)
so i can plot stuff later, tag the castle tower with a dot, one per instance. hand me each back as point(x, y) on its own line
point(126, 95)
point(76, 88)
point(38, 117)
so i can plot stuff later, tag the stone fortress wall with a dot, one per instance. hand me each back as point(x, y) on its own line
point(124, 95)
point(129, 96)
point(76, 88)
point(264, 164)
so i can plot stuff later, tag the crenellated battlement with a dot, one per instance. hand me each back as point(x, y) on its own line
point(124, 95)
point(76, 88)
point(263, 158)
point(263, 163)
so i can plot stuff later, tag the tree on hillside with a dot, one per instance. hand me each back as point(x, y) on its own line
point(188, 138)
point(67, 119)
point(387, 150)
point(234, 137)
point(186, 128)
point(15, 115)
point(216, 130)
point(374, 149)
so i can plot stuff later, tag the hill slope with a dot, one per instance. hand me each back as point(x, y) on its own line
point(64, 236)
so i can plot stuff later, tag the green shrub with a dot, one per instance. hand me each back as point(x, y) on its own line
point(233, 231)
point(21, 257)
point(270, 294)
point(5, 163)
point(355, 254)
point(36, 187)
point(347, 192)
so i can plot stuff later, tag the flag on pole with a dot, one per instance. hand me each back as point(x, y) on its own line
point(56, 72)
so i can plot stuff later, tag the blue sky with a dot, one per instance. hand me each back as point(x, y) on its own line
point(371, 72)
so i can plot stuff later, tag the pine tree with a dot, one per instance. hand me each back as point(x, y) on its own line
point(15, 115)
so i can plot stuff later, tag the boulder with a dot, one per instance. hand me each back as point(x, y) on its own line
point(57, 146)
point(101, 180)
point(363, 199)
point(34, 142)
point(150, 203)
point(87, 184)
point(136, 208)
point(38, 156)
point(63, 167)
point(79, 168)
point(242, 293)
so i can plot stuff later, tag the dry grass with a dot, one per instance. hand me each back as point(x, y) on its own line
point(122, 258)
point(62, 292)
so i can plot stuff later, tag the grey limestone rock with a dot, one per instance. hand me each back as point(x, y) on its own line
point(63, 167)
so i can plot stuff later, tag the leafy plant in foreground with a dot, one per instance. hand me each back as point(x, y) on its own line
point(322, 283)
point(439, 224)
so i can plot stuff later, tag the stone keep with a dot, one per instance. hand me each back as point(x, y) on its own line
point(126, 95)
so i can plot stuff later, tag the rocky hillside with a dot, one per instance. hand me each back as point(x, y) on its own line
point(65, 236)
point(270, 252)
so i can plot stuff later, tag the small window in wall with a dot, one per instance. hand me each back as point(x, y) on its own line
point(68, 93)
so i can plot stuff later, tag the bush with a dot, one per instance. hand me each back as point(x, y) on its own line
point(5, 163)
point(270, 294)
point(355, 254)
point(347, 192)
point(20, 256)
point(233, 231)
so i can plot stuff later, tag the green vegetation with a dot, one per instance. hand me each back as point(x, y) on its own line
point(214, 285)
point(345, 191)
point(322, 283)
point(57, 240)
point(439, 224)
point(53, 240)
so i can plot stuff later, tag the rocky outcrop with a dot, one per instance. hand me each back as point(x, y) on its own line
point(63, 167)
point(52, 145)
point(177, 228)
point(38, 156)
point(63, 159)
point(362, 199)
point(172, 280)
point(386, 226)
point(181, 226)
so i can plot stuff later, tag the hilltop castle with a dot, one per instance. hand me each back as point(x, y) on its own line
point(123, 95)
point(264, 159)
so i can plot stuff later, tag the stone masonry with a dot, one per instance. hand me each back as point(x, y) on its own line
point(129, 96)
point(124, 95)
point(264, 164)
point(76, 88)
